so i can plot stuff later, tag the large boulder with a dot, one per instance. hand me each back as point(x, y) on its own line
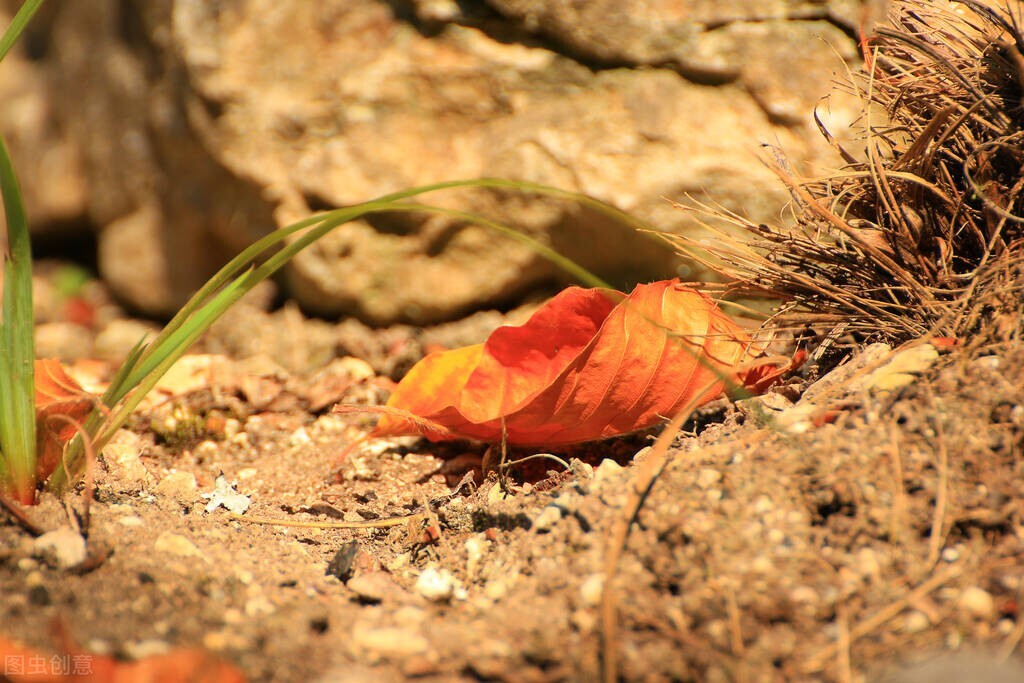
point(201, 126)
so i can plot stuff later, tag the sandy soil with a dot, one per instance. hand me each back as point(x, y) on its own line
point(875, 524)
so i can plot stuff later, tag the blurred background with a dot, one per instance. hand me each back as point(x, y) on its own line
point(156, 138)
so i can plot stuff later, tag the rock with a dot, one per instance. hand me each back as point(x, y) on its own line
point(438, 585)
point(547, 519)
point(199, 130)
point(140, 649)
point(388, 642)
point(342, 565)
point(42, 149)
point(902, 369)
point(175, 544)
point(374, 587)
point(476, 547)
point(592, 590)
point(63, 340)
point(116, 340)
point(916, 621)
point(978, 603)
point(607, 471)
point(179, 486)
point(121, 460)
point(61, 548)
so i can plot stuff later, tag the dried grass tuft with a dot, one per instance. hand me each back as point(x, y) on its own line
point(923, 232)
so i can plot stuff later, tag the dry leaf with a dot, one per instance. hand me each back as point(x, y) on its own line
point(60, 402)
point(590, 364)
point(24, 665)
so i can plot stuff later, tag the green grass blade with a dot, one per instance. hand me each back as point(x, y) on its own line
point(245, 259)
point(148, 363)
point(17, 351)
point(18, 25)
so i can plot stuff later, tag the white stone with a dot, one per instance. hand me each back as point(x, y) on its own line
point(915, 622)
point(141, 649)
point(437, 585)
point(977, 602)
point(476, 548)
point(61, 548)
point(547, 518)
point(592, 590)
point(708, 477)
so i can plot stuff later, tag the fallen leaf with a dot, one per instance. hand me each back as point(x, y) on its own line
point(60, 402)
point(24, 665)
point(590, 364)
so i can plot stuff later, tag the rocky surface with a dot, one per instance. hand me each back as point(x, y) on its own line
point(184, 130)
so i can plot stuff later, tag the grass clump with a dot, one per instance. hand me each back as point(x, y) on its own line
point(922, 232)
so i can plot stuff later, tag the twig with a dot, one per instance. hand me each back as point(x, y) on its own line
point(735, 625)
point(899, 497)
point(936, 538)
point(817, 661)
point(647, 472)
point(845, 670)
point(367, 524)
point(20, 519)
point(535, 456)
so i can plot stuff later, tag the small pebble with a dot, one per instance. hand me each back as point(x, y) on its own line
point(437, 585)
point(547, 519)
point(215, 641)
point(300, 437)
point(179, 486)
point(389, 642)
point(372, 588)
point(409, 616)
point(175, 544)
point(977, 602)
point(98, 646)
point(121, 457)
point(419, 665)
point(607, 470)
point(146, 648)
point(342, 565)
point(950, 554)
point(39, 596)
point(259, 607)
point(476, 548)
point(916, 622)
point(496, 494)
point(867, 563)
point(130, 521)
point(708, 477)
point(61, 548)
point(497, 589)
point(592, 590)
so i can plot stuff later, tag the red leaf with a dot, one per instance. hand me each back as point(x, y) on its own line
point(23, 665)
point(60, 401)
point(590, 364)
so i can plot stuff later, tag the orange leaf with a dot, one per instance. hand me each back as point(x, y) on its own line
point(590, 364)
point(60, 401)
point(24, 665)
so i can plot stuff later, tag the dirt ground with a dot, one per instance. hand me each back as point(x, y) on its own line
point(871, 526)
